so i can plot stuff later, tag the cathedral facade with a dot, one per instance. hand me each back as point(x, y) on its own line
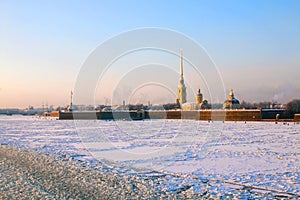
point(182, 96)
point(231, 102)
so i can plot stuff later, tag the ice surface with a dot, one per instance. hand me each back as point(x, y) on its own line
point(233, 159)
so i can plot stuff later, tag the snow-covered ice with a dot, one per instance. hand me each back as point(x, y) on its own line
point(231, 159)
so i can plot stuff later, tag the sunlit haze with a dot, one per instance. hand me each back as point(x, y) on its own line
point(254, 44)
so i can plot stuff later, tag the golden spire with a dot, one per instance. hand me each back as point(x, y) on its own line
point(181, 64)
point(181, 86)
point(231, 95)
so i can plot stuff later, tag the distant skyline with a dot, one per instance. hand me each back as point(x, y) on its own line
point(255, 44)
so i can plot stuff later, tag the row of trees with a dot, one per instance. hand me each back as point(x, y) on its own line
point(292, 108)
point(260, 105)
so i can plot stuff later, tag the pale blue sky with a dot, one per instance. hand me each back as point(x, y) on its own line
point(255, 44)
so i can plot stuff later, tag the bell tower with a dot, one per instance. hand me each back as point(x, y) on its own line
point(181, 86)
point(199, 97)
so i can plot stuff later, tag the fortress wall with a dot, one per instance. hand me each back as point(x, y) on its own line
point(243, 115)
point(92, 115)
point(84, 115)
point(174, 114)
point(297, 117)
point(206, 115)
point(271, 113)
point(78, 115)
point(194, 115)
point(155, 115)
point(54, 114)
point(65, 115)
point(104, 115)
point(230, 115)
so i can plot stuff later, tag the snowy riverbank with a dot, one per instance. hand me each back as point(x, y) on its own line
point(50, 159)
point(27, 174)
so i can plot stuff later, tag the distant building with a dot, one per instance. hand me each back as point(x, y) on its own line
point(199, 104)
point(231, 102)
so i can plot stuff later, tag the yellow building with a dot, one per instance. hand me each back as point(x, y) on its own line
point(199, 97)
point(198, 105)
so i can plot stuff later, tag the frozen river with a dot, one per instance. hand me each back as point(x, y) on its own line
point(244, 160)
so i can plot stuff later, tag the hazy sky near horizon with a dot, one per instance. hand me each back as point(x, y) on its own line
point(43, 44)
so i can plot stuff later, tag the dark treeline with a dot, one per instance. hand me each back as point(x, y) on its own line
point(293, 107)
point(260, 105)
